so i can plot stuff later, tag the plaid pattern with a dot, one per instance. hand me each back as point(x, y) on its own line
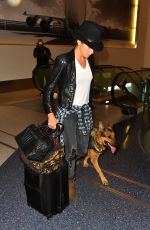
point(84, 113)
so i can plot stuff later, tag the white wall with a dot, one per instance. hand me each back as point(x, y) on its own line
point(17, 62)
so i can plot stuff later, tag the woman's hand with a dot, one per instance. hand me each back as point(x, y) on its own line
point(52, 121)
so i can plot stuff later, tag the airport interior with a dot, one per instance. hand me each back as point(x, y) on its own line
point(121, 99)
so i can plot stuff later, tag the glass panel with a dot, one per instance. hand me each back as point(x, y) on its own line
point(145, 132)
point(146, 109)
point(103, 78)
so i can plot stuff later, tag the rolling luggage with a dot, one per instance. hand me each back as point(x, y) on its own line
point(47, 192)
point(45, 168)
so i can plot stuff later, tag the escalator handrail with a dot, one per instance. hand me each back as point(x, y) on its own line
point(102, 67)
point(42, 67)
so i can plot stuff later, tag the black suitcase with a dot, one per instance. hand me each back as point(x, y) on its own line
point(47, 193)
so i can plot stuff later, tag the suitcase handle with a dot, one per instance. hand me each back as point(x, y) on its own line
point(48, 131)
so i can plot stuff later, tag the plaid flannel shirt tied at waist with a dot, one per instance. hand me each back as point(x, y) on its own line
point(84, 113)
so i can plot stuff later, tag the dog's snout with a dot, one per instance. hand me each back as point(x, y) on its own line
point(112, 147)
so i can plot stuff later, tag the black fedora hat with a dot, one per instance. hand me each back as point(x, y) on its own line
point(89, 33)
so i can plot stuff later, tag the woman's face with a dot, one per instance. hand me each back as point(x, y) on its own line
point(85, 50)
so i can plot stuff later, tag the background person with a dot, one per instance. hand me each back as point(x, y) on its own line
point(43, 67)
point(73, 74)
point(42, 55)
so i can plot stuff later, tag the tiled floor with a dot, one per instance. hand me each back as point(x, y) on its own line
point(15, 118)
point(21, 108)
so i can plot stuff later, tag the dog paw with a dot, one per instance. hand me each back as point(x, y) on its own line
point(85, 164)
point(105, 181)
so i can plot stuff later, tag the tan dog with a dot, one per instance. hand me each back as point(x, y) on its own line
point(100, 139)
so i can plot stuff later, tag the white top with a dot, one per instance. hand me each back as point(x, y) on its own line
point(83, 83)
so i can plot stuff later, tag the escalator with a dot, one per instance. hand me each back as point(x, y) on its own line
point(127, 89)
point(103, 78)
point(131, 92)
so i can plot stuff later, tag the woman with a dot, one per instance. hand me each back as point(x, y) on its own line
point(73, 74)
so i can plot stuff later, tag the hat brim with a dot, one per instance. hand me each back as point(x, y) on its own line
point(93, 45)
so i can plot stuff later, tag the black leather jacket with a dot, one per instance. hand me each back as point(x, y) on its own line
point(64, 76)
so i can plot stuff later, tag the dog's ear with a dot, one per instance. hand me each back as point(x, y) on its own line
point(100, 125)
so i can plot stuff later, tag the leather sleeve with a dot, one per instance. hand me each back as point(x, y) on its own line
point(56, 74)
